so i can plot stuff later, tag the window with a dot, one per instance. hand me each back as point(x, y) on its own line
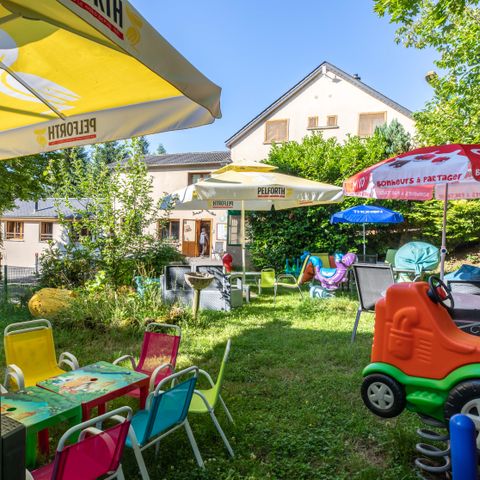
point(170, 230)
point(332, 120)
point(74, 234)
point(14, 231)
point(276, 131)
point(194, 177)
point(312, 122)
point(368, 122)
point(46, 231)
point(234, 229)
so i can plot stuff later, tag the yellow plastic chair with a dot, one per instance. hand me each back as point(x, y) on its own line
point(296, 281)
point(267, 279)
point(30, 354)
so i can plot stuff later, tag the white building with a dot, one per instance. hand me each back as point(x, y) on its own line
point(171, 172)
point(327, 100)
point(27, 229)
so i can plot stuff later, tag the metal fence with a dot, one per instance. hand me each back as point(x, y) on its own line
point(15, 282)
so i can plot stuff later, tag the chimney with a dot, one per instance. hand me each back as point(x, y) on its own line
point(356, 76)
point(36, 205)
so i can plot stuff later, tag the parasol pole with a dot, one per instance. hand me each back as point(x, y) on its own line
point(443, 249)
point(242, 234)
point(364, 245)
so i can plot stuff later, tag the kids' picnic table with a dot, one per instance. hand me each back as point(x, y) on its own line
point(94, 385)
point(38, 409)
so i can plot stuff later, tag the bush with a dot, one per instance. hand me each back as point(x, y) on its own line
point(68, 268)
point(284, 234)
point(119, 308)
point(75, 266)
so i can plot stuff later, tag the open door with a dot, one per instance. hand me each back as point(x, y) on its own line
point(189, 238)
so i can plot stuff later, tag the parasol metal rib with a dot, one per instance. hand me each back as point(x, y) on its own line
point(32, 90)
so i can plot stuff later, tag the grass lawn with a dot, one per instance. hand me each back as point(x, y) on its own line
point(292, 386)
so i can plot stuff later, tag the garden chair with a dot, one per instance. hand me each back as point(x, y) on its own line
point(166, 412)
point(205, 401)
point(297, 282)
point(267, 279)
point(372, 282)
point(97, 452)
point(158, 354)
point(30, 354)
point(390, 256)
point(368, 258)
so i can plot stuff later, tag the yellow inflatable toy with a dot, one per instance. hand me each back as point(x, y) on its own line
point(49, 301)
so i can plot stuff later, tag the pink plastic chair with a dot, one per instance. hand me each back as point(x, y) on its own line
point(158, 355)
point(96, 454)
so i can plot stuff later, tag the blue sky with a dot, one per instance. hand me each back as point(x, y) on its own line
point(257, 49)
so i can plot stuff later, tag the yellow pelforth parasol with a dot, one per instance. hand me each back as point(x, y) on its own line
point(76, 72)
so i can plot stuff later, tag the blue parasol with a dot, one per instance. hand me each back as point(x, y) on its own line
point(366, 214)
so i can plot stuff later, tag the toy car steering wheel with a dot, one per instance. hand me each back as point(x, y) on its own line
point(440, 293)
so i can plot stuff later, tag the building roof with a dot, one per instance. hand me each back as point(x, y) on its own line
point(319, 71)
point(188, 159)
point(43, 209)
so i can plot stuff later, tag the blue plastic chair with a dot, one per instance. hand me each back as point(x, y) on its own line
point(166, 412)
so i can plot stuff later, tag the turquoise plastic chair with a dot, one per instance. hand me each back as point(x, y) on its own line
point(166, 412)
point(205, 401)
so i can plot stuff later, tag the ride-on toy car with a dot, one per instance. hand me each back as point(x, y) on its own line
point(421, 360)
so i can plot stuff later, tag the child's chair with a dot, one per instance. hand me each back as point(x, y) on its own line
point(97, 452)
point(205, 401)
point(30, 354)
point(267, 279)
point(158, 355)
point(166, 412)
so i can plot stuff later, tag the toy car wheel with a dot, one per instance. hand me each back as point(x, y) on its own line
point(465, 398)
point(383, 395)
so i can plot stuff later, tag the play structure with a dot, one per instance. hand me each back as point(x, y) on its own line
point(421, 360)
point(330, 279)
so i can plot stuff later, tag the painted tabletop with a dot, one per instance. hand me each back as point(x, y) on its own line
point(35, 405)
point(92, 382)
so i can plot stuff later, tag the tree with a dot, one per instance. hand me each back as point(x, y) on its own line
point(144, 145)
point(396, 138)
point(23, 179)
point(452, 28)
point(116, 212)
point(108, 152)
point(161, 149)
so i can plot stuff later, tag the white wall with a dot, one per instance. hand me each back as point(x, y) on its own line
point(22, 253)
point(322, 97)
point(170, 180)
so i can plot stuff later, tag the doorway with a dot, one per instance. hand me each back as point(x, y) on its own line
point(191, 230)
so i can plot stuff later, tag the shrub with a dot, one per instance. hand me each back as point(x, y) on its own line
point(68, 268)
point(119, 308)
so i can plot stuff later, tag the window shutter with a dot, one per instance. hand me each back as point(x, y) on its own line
point(331, 121)
point(276, 131)
point(369, 121)
point(312, 122)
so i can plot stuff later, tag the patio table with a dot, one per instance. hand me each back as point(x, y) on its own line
point(94, 385)
point(38, 409)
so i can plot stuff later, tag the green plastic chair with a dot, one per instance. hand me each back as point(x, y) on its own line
point(390, 257)
point(296, 281)
point(267, 279)
point(205, 401)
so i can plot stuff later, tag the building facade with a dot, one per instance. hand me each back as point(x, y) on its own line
point(327, 100)
point(172, 172)
point(27, 230)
